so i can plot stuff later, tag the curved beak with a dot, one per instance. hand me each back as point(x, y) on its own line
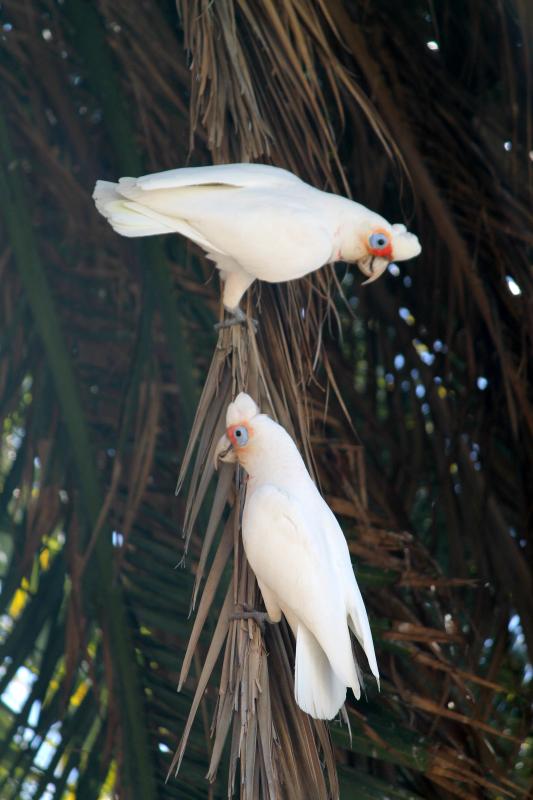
point(224, 452)
point(372, 267)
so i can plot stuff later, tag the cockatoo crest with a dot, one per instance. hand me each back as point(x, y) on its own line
point(243, 409)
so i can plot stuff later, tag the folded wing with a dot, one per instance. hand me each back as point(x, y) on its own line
point(220, 174)
point(288, 554)
point(357, 616)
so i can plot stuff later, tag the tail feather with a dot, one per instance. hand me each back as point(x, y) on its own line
point(117, 202)
point(358, 622)
point(318, 690)
point(104, 193)
point(126, 217)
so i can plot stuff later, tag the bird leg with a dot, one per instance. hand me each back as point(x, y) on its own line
point(238, 317)
point(260, 617)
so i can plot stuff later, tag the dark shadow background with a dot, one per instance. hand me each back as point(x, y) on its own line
point(422, 111)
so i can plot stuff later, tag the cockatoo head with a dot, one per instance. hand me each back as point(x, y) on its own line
point(381, 243)
point(238, 440)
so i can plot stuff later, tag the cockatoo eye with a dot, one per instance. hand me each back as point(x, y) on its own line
point(241, 436)
point(378, 241)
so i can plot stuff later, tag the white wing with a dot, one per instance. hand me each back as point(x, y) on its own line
point(355, 606)
point(289, 557)
point(228, 174)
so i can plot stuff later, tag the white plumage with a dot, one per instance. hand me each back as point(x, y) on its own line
point(299, 555)
point(254, 221)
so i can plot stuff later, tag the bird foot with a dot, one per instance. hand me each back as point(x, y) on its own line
point(260, 617)
point(238, 317)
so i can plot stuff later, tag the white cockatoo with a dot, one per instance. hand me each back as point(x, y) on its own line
point(300, 558)
point(255, 222)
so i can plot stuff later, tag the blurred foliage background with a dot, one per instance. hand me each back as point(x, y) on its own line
point(421, 111)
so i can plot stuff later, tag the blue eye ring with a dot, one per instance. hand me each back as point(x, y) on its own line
point(378, 241)
point(240, 435)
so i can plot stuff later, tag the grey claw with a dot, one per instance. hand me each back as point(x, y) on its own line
point(259, 617)
point(238, 317)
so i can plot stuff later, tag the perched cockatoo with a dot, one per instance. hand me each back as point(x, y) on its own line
point(255, 222)
point(300, 558)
